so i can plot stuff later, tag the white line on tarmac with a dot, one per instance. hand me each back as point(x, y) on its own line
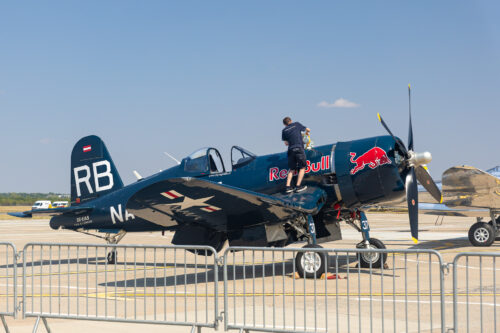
point(462, 266)
point(434, 301)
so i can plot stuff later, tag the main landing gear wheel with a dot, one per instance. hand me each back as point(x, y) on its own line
point(375, 259)
point(481, 234)
point(311, 264)
point(111, 258)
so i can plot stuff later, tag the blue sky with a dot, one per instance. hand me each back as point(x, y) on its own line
point(154, 76)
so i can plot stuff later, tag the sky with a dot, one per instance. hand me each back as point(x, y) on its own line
point(174, 76)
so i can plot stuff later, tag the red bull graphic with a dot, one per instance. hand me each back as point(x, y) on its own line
point(373, 158)
point(277, 174)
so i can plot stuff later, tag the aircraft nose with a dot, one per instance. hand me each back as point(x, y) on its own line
point(417, 159)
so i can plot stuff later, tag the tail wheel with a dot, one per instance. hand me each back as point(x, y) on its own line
point(373, 259)
point(111, 257)
point(481, 234)
point(311, 264)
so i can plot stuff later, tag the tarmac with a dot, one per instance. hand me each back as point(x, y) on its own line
point(449, 237)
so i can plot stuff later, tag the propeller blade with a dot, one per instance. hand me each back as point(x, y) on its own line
point(410, 129)
point(412, 200)
point(389, 131)
point(426, 180)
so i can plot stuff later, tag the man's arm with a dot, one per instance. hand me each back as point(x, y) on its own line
point(303, 128)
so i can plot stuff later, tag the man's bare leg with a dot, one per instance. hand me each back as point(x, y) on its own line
point(301, 175)
point(289, 178)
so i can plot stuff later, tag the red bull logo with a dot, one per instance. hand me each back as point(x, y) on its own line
point(373, 158)
point(277, 174)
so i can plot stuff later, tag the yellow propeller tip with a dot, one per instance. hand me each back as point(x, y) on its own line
point(409, 87)
point(415, 240)
point(425, 167)
point(441, 201)
point(378, 116)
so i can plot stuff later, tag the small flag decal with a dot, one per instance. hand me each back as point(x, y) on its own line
point(86, 149)
point(171, 194)
point(210, 209)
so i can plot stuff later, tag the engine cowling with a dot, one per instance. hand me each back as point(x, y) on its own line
point(369, 171)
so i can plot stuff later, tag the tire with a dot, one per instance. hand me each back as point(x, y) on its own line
point(311, 264)
point(481, 234)
point(375, 260)
point(111, 258)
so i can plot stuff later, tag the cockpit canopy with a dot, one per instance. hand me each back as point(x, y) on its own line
point(240, 157)
point(208, 160)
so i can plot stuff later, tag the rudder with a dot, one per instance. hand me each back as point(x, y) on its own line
point(93, 173)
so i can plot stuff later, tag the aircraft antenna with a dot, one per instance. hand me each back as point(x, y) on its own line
point(137, 175)
point(176, 160)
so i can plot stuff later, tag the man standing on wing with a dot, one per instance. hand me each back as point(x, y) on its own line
point(292, 136)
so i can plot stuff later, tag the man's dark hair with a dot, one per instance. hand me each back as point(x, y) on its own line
point(287, 121)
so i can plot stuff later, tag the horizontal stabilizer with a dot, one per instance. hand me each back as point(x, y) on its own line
point(51, 211)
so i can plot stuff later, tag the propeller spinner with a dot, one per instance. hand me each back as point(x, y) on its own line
point(415, 162)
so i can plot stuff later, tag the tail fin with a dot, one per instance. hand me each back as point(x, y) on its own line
point(93, 173)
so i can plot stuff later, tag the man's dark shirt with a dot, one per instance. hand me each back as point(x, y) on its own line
point(292, 134)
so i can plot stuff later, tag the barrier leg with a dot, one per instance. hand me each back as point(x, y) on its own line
point(5, 324)
point(36, 324)
point(195, 329)
point(44, 320)
point(46, 325)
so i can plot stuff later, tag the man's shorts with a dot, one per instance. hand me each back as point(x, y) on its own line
point(296, 158)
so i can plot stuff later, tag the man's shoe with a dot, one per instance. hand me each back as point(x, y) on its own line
point(300, 188)
point(288, 189)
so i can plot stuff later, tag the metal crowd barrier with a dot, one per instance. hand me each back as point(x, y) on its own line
point(8, 282)
point(147, 284)
point(475, 292)
point(262, 292)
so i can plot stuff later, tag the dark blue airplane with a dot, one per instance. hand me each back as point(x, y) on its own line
point(204, 204)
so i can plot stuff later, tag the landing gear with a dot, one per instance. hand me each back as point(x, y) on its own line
point(113, 239)
point(484, 234)
point(481, 234)
point(110, 239)
point(111, 257)
point(367, 259)
point(311, 264)
point(373, 259)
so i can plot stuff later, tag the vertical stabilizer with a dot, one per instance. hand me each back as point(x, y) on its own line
point(93, 173)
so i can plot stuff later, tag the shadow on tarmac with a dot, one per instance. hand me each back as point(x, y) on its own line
point(240, 272)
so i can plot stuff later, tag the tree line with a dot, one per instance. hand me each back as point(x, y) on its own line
point(27, 199)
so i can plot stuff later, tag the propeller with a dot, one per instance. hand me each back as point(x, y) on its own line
point(415, 162)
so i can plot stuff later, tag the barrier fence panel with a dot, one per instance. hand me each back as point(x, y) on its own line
point(263, 293)
point(147, 284)
point(476, 285)
point(8, 281)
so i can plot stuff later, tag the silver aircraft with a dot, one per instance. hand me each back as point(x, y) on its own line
point(468, 191)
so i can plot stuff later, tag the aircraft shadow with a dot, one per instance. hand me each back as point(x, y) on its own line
point(239, 272)
point(55, 262)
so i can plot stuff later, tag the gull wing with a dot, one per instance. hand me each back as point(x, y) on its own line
point(218, 206)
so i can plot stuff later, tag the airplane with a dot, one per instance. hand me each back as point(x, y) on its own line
point(468, 191)
point(204, 204)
